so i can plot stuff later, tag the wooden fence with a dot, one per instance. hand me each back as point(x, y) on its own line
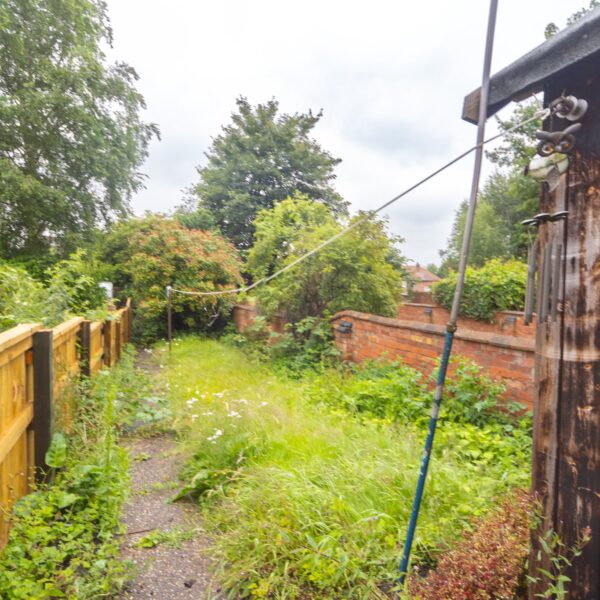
point(38, 370)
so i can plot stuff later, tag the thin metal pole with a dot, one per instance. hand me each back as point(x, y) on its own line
point(451, 327)
point(169, 318)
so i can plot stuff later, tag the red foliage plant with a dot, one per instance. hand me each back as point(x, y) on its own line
point(155, 251)
point(488, 563)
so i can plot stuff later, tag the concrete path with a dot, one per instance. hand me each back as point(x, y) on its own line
point(177, 568)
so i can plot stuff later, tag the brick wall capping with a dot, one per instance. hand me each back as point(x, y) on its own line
point(502, 341)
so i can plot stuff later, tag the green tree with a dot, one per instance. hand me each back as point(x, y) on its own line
point(354, 272)
point(505, 201)
point(143, 256)
point(507, 198)
point(259, 159)
point(552, 28)
point(71, 136)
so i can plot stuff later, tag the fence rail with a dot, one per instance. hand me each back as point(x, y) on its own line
point(38, 370)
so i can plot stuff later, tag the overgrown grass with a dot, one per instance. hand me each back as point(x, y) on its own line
point(63, 541)
point(307, 500)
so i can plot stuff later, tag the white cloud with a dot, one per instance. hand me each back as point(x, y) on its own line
point(390, 77)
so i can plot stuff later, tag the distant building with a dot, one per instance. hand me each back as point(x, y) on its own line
point(421, 278)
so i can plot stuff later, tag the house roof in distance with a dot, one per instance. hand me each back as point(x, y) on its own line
point(527, 75)
point(419, 273)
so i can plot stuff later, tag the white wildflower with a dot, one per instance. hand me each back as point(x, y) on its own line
point(207, 414)
point(191, 402)
point(234, 413)
point(264, 404)
point(243, 401)
point(213, 438)
point(194, 417)
point(218, 394)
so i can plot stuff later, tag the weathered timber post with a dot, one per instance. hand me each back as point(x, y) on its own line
point(107, 334)
point(85, 340)
point(566, 445)
point(119, 339)
point(43, 392)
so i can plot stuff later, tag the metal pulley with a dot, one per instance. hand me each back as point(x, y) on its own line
point(569, 107)
point(557, 141)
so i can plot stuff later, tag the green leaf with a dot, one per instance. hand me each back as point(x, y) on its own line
point(56, 456)
point(65, 499)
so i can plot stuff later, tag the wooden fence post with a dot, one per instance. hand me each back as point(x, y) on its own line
point(118, 341)
point(107, 333)
point(129, 320)
point(43, 392)
point(85, 342)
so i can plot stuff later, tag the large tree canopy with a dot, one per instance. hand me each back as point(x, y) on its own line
point(71, 136)
point(259, 159)
point(360, 270)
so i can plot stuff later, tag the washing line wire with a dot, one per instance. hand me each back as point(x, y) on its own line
point(543, 114)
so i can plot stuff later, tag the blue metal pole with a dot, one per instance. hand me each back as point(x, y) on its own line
point(433, 419)
point(462, 266)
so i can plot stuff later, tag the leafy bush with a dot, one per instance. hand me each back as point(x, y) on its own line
point(399, 393)
point(475, 422)
point(70, 289)
point(148, 254)
point(488, 564)
point(62, 542)
point(305, 345)
point(357, 271)
point(74, 279)
point(496, 286)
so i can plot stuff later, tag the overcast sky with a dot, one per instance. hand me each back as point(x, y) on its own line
point(389, 76)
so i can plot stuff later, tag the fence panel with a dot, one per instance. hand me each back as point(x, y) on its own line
point(67, 356)
point(96, 347)
point(58, 364)
point(16, 415)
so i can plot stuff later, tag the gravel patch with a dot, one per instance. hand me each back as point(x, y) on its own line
point(165, 571)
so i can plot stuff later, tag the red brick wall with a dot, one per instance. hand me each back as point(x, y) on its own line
point(505, 322)
point(244, 315)
point(419, 344)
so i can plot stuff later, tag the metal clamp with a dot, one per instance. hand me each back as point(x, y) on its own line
point(557, 141)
